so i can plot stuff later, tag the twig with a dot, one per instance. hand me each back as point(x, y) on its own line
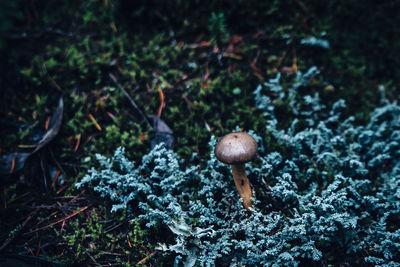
point(146, 258)
point(113, 227)
point(59, 220)
point(162, 100)
point(52, 81)
point(191, 106)
point(62, 188)
point(130, 100)
point(38, 248)
point(281, 60)
point(30, 250)
point(56, 177)
point(294, 63)
point(78, 141)
point(19, 197)
point(129, 242)
point(46, 125)
point(92, 258)
point(62, 226)
point(98, 127)
point(35, 33)
point(12, 166)
point(57, 163)
point(302, 6)
point(111, 253)
point(51, 215)
point(63, 197)
point(43, 172)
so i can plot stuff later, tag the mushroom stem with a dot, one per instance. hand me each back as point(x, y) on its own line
point(242, 184)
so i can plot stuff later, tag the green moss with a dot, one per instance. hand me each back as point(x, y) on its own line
point(92, 236)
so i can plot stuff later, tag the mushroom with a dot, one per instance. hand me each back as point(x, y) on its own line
point(236, 149)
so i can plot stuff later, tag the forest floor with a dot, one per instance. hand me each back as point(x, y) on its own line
point(81, 79)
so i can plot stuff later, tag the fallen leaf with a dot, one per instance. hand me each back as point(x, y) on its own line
point(37, 164)
point(161, 133)
point(54, 127)
point(14, 162)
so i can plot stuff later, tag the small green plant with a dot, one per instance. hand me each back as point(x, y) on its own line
point(217, 28)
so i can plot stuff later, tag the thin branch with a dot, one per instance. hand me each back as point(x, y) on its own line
point(59, 220)
point(145, 119)
point(35, 33)
point(51, 80)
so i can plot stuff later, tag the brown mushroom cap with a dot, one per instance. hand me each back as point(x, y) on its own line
point(236, 148)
